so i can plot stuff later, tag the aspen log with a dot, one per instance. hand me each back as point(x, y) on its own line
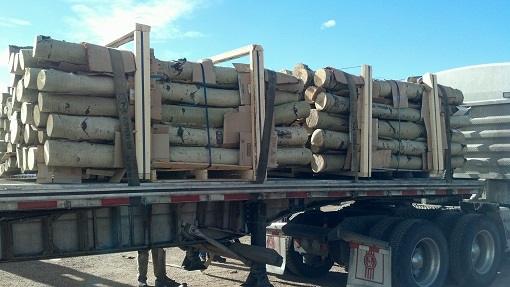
point(311, 94)
point(458, 161)
point(404, 147)
point(331, 103)
point(291, 136)
point(284, 71)
point(325, 78)
point(323, 120)
point(78, 154)
point(459, 121)
point(458, 149)
point(15, 105)
point(77, 105)
point(401, 130)
point(27, 61)
point(194, 116)
point(330, 139)
point(30, 78)
point(10, 147)
point(328, 162)
point(61, 82)
point(287, 113)
point(411, 90)
point(7, 137)
point(17, 66)
point(455, 96)
point(82, 127)
point(389, 112)
point(42, 136)
point(27, 113)
point(32, 158)
point(194, 95)
point(186, 136)
point(14, 80)
point(406, 162)
point(304, 73)
point(11, 165)
point(25, 95)
point(293, 156)
point(40, 118)
point(4, 97)
point(201, 155)
point(16, 130)
point(30, 135)
point(458, 136)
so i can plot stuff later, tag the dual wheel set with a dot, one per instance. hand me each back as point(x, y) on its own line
point(453, 247)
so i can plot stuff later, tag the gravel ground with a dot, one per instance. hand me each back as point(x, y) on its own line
point(120, 270)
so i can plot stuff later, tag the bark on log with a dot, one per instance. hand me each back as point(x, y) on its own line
point(325, 78)
point(25, 95)
point(61, 82)
point(16, 130)
point(458, 149)
point(40, 118)
point(411, 90)
point(389, 112)
point(332, 104)
point(455, 96)
point(401, 130)
point(293, 156)
point(27, 60)
point(291, 136)
point(328, 163)
point(78, 154)
point(323, 120)
point(30, 78)
point(46, 48)
point(303, 72)
point(30, 135)
point(79, 128)
point(11, 165)
point(287, 113)
point(406, 162)
point(77, 105)
point(193, 116)
point(32, 158)
point(194, 95)
point(201, 155)
point(185, 136)
point(311, 94)
point(459, 121)
point(330, 139)
point(17, 66)
point(458, 136)
point(404, 147)
point(42, 136)
point(27, 113)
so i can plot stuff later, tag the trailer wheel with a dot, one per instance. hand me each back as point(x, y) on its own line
point(419, 254)
point(476, 249)
point(306, 265)
point(383, 228)
point(446, 221)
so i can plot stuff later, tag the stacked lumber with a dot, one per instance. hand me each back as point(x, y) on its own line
point(63, 112)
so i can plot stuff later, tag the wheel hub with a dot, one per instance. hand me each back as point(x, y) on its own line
point(425, 262)
point(417, 259)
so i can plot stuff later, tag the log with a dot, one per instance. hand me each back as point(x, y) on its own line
point(17, 66)
point(325, 78)
point(25, 95)
point(77, 105)
point(389, 112)
point(287, 113)
point(78, 154)
point(455, 96)
point(332, 104)
point(4, 97)
point(291, 136)
point(458, 149)
point(11, 165)
point(330, 139)
point(16, 130)
point(30, 135)
point(27, 113)
point(193, 116)
point(406, 162)
point(459, 121)
point(323, 120)
point(186, 136)
point(401, 130)
point(27, 61)
point(61, 82)
point(194, 95)
point(42, 136)
point(304, 73)
point(458, 136)
point(404, 147)
point(30, 78)
point(40, 118)
point(32, 158)
point(328, 163)
point(48, 49)
point(80, 128)
point(411, 90)
point(311, 93)
point(201, 155)
point(293, 156)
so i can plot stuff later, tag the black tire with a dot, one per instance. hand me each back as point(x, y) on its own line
point(383, 228)
point(419, 255)
point(446, 221)
point(476, 250)
point(314, 266)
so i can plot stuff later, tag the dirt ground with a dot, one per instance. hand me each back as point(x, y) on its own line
point(120, 270)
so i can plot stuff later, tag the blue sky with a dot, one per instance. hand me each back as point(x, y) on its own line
point(398, 38)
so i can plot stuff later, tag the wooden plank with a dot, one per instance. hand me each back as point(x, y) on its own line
point(432, 115)
point(234, 54)
point(366, 122)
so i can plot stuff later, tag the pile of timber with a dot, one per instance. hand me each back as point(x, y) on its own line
point(61, 109)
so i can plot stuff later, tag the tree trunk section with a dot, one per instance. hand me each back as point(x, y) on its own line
point(53, 50)
point(389, 112)
point(42, 136)
point(304, 73)
point(328, 163)
point(406, 162)
point(311, 94)
point(25, 95)
point(32, 158)
point(16, 131)
point(324, 78)
point(401, 130)
point(404, 147)
point(28, 61)
point(185, 136)
point(287, 113)
point(293, 156)
point(323, 120)
point(30, 78)
point(292, 136)
point(411, 90)
point(201, 155)
point(27, 113)
point(194, 116)
point(77, 105)
point(61, 82)
point(330, 139)
point(40, 118)
point(30, 135)
point(194, 95)
point(332, 104)
point(78, 128)
point(78, 154)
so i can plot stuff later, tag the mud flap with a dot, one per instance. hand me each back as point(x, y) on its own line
point(369, 266)
point(276, 240)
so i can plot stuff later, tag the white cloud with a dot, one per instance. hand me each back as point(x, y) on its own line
point(13, 22)
point(100, 21)
point(328, 24)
